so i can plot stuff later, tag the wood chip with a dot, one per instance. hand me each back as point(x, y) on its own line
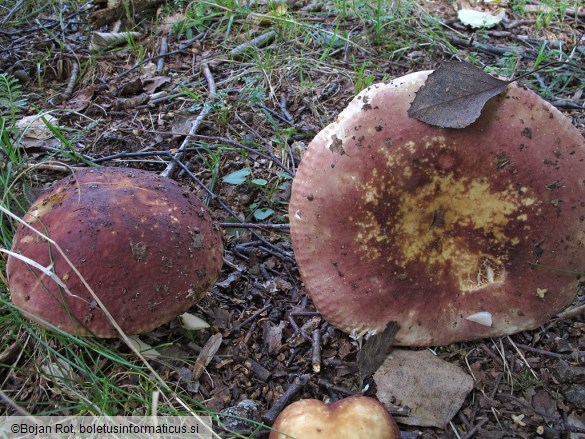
point(206, 355)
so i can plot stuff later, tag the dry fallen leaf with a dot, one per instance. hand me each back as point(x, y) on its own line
point(105, 40)
point(152, 85)
point(169, 22)
point(193, 323)
point(182, 123)
point(454, 95)
point(59, 370)
point(34, 127)
point(375, 350)
point(478, 19)
point(433, 389)
point(81, 99)
point(273, 336)
point(144, 348)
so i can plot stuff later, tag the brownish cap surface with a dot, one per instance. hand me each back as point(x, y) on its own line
point(355, 417)
point(145, 245)
point(395, 220)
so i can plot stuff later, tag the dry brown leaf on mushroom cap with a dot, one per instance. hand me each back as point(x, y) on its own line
point(454, 95)
point(146, 246)
point(439, 229)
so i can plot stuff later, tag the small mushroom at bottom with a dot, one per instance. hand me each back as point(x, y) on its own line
point(355, 417)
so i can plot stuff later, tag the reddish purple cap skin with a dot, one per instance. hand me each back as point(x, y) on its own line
point(146, 246)
point(396, 220)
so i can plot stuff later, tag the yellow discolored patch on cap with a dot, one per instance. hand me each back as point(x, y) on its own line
point(48, 204)
point(453, 227)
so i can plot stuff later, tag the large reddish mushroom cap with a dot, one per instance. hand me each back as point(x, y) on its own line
point(146, 246)
point(439, 229)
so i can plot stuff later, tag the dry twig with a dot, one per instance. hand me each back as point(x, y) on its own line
point(255, 226)
point(316, 351)
point(71, 84)
point(571, 313)
point(161, 53)
point(206, 355)
point(197, 122)
point(285, 398)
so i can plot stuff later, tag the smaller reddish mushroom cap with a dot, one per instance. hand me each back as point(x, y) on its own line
point(355, 417)
point(440, 229)
point(146, 246)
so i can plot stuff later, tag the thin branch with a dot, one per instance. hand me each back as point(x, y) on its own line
point(71, 84)
point(316, 351)
point(252, 317)
point(196, 123)
point(572, 356)
point(571, 313)
point(18, 409)
point(181, 49)
point(295, 387)
point(164, 47)
point(10, 13)
point(259, 41)
point(246, 148)
point(254, 226)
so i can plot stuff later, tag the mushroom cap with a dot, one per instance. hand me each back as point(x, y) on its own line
point(355, 417)
point(146, 246)
point(439, 229)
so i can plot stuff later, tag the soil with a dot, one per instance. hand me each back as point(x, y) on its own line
point(268, 324)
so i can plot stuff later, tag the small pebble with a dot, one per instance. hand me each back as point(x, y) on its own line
point(246, 408)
